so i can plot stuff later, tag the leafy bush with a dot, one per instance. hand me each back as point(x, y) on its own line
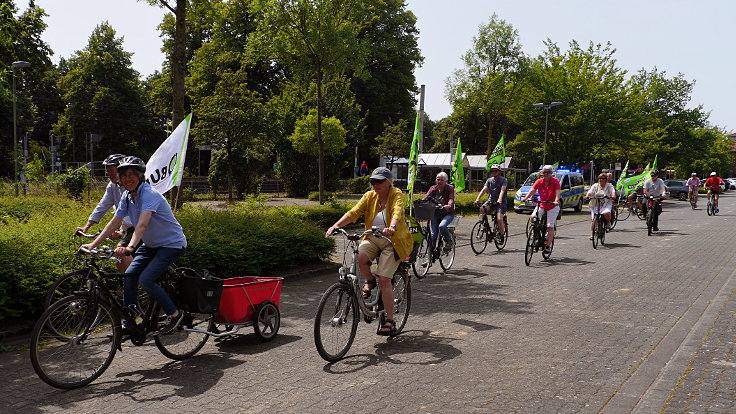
point(36, 243)
point(74, 181)
point(314, 195)
point(359, 185)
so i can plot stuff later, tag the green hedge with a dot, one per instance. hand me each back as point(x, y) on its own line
point(36, 244)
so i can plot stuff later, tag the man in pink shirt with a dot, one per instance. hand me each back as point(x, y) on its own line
point(548, 188)
point(693, 183)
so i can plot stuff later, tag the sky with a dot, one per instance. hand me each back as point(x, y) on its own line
point(676, 36)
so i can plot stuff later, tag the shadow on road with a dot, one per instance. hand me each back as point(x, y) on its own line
point(415, 347)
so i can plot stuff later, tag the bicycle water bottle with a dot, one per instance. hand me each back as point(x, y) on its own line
point(135, 313)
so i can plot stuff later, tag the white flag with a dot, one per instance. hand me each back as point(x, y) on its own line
point(166, 166)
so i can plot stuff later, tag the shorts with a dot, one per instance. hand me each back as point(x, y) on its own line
point(128, 236)
point(500, 208)
point(551, 215)
point(603, 210)
point(380, 248)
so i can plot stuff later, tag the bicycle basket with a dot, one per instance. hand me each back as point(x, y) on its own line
point(424, 209)
point(199, 293)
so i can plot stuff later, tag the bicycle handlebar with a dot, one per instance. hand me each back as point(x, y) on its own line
point(80, 233)
point(373, 230)
point(102, 253)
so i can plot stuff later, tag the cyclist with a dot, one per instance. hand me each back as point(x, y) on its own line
point(713, 184)
point(443, 193)
point(549, 190)
point(162, 236)
point(383, 207)
point(693, 183)
point(656, 187)
point(602, 188)
point(496, 187)
point(111, 199)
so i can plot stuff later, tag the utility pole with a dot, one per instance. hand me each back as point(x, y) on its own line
point(421, 118)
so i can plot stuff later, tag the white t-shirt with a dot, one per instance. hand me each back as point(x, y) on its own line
point(606, 191)
point(380, 219)
point(655, 188)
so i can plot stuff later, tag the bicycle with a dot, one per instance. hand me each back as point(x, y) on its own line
point(336, 321)
point(537, 236)
point(652, 203)
point(693, 198)
point(426, 256)
point(712, 207)
point(483, 232)
point(76, 338)
point(599, 222)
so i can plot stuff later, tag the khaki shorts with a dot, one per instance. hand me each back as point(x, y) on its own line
point(374, 247)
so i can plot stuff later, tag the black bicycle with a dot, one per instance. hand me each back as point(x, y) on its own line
point(426, 255)
point(537, 237)
point(712, 207)
point(652, 204)
point(76, 338)
point(483, 232)
point(623, 210)
point(599, 221)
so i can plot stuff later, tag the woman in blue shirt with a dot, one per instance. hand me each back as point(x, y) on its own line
point(162, 236)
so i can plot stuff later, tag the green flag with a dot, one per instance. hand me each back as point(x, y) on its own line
point(630, 184)
point(619, 184)
point(556, 165)
point(654, 164)
point(413, 162)
point(458, 174)
point(498, 156)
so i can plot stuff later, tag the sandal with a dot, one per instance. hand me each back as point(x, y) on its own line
point(368, 287)
point(388, 328)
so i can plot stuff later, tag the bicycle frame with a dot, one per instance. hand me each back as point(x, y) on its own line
point(351, 276)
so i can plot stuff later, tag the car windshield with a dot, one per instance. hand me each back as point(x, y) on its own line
point(535, 176)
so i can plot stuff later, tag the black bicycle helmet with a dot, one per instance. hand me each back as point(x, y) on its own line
point(113, 159)
point(134, 162)
point(654, 173)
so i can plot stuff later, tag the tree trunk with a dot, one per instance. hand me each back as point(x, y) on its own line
point(320, 144)
point(178, 70)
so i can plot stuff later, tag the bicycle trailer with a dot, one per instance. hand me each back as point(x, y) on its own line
point(241, 297)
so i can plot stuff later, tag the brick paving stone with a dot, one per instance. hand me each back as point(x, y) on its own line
point(588, 331)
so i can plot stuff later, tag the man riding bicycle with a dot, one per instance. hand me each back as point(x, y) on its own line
point(713, 184)
point(693, 183)
point(654, 187)
point(496, 187)
point(162, 236)
point(603, 189)
point(444, 194)
point(549, 190)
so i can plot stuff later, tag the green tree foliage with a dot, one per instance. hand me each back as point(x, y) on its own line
point(313, 38)
point(103, 95)
point(304, 138)
point(395, 141)
point(490, 83)
point(234, 118)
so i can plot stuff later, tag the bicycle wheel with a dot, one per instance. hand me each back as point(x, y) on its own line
point(693, 202)
point(424, 258)
point(531, 245)
point(528, 226)
point(709, 208)
point(650, 218)
point(66, 285)
point(478, 237)
point(448, 258)
point(614, 218)
point(266, 321)
point(595, 231)
point(183, 343)
point(501, 239)
point(547, 250)
point(623, 211)
point(402, 298)
point(336, 322)
point(81, 344)
point(601, 229)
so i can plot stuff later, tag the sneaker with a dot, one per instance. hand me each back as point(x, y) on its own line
point(447, 248)
point(172, 322)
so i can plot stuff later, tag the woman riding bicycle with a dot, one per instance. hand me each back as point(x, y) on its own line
point(444, 194)
point(496, 187)
point(383, 207)
point(162, 236)
point(601, 189)
point(548, 188)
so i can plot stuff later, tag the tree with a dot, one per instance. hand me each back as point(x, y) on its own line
point(313, 38)
point(490, 82)
point(395, 142)
point(304, 138)
point(235, 118)
point(103, 95)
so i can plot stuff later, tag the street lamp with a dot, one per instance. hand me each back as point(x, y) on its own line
point(18, 64)
point(546, 121)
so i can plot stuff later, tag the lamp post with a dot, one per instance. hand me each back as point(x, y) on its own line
point(18, 64)
point(546, 121)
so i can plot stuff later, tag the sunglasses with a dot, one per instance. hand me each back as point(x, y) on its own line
point(377, 181)
point(546, 172)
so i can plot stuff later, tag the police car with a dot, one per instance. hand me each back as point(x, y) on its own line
point(572, 190)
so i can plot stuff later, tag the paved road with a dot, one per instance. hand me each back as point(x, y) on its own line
point(645, 324)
